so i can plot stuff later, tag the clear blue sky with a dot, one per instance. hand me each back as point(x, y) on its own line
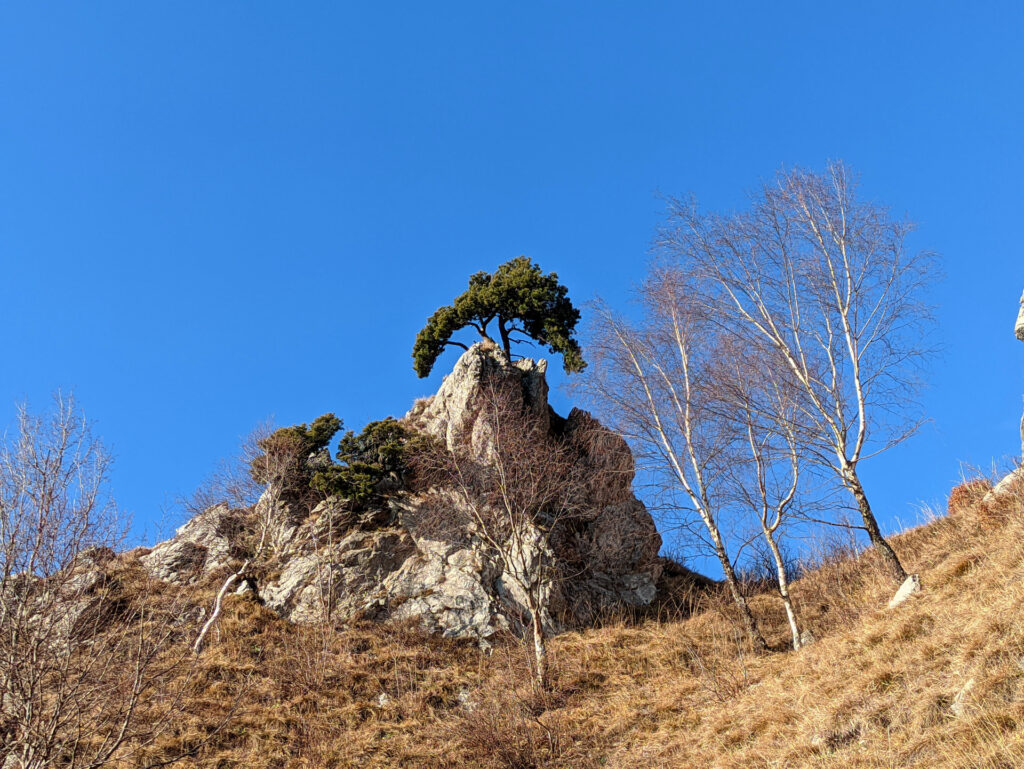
point(211, 213)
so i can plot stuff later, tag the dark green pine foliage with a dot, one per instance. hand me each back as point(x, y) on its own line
point(524, 304)
point(366, 461)
point(286, 452)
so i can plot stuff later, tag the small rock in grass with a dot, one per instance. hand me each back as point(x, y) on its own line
point(910, 586)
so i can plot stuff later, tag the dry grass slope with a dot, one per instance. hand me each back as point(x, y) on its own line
point(936, 682)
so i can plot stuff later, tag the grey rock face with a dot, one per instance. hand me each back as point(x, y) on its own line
point(83, 607)
point(387, 564)
point(1011, 484)
point(339, 580)
point(74, 604)
point(451, 414)
point(207, 542)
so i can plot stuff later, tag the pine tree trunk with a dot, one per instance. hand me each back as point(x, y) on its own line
point(506, 343)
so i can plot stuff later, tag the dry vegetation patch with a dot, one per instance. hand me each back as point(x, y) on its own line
point(936, 682)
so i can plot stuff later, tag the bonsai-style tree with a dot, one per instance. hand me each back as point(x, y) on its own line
point(523, 301)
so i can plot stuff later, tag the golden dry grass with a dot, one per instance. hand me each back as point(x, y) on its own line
point(878, 688)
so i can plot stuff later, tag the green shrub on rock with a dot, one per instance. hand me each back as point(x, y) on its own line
point(367, 461)
point(287, 453)
point(370, 464)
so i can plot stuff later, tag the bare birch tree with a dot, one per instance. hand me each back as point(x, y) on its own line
point(516, 498)
point(654, 382)
point(88, 670)
point(824, 278)
point(765, 479)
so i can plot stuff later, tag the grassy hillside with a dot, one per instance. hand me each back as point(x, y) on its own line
point(880, 688)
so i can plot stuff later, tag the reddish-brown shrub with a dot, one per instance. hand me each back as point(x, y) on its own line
point(967, 495)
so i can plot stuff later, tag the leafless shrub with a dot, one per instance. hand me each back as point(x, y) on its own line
point(82, 657)
point(722, 676)
point(967, 495)
point(516, 728)
point(517, 495)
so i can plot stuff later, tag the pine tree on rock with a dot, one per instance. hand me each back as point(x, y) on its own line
point(522, 301)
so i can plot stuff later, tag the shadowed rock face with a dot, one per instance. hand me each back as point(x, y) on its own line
point(387, 564)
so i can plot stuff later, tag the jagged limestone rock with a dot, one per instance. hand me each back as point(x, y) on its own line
point(73, 604)
point(1019, 328)
point(340, 579)
point(207, 542)
point(451, 414)
point(391, 562)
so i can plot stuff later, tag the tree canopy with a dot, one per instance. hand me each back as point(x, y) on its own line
point(522, 301)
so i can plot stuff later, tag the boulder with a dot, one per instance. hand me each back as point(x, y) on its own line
point(911, 585)
point(1011, 484)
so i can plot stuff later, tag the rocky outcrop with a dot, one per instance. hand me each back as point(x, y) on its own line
point(207, 542)
point(1019, 331)
point(1019, 327)
point(1011, 485)
point(391, 562)
point(1014, 481)
point(452, 415)
point(68, 606)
